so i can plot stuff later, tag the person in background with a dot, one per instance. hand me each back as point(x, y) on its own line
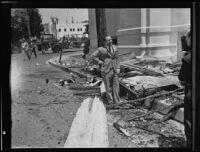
point(185, 77)
point(25, 48)
point(62, 41)
point(107, 58)
point(86, 47)
point(33, 47)
point(43, 47)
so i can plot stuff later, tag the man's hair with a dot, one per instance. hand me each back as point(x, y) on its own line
point(104, 38)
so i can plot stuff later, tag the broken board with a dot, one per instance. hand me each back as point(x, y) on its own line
point(89, 127)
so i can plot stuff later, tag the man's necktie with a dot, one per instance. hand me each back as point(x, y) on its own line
point(111, 50)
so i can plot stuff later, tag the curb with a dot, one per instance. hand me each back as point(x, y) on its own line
point(61, 67)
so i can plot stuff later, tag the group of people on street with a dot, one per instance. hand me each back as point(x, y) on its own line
point(28, 47)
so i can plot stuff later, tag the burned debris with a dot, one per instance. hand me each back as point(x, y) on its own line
point(151, 99)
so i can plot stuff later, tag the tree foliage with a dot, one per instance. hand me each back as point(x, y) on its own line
point(19, 20)
point(35, 22)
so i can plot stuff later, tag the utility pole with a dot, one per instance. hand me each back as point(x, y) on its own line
point(101, 25)
point(28, 23)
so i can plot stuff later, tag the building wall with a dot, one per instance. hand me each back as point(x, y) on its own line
point(157, 29)
point(53, 30)
point(46, 28)
point(179, 17)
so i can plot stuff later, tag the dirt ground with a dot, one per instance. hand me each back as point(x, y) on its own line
point(35, 123)
point(42, 113)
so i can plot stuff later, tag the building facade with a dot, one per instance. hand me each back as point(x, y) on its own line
point(153, 31)
point(47, 28)
point(71, 29)
point(67, 30)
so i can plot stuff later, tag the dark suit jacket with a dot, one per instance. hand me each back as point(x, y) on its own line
point(110, 60)
point(185, 73)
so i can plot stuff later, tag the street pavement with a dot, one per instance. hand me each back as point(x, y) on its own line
point(38, 118)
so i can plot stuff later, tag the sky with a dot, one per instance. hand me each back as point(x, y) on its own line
point(62, 14)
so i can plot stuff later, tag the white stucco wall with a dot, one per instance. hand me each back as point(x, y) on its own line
point(71, 26)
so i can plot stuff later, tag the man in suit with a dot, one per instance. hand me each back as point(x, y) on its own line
point(86, 47)
point(107, 58)
point(185, 77)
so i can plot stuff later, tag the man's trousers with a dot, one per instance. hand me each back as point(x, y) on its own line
point(188, 115)
point(111, 82)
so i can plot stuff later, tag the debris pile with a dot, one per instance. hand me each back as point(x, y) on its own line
point(143, 84)
point(147, 85)
point(159, 66)
point(145, 128)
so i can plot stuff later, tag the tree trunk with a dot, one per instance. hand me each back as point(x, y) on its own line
point(101, 25)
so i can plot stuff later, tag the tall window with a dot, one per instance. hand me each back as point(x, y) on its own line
point(59, 30)
point(73, 29)
point(78, 29)
point(70, 29)
point(65, 29)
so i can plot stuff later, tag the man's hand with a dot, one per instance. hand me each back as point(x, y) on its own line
point(100, 62)
point(118, 71)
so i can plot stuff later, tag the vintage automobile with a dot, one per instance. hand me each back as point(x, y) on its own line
point(48, 41)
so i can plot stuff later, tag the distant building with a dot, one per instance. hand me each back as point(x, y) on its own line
point(156, 31)
point(71, 29)
point(67, 30)
point(47, 28)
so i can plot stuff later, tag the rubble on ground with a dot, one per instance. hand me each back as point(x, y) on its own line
point(143, 78)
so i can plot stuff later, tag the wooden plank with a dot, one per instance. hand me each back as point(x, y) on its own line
point(89, 127)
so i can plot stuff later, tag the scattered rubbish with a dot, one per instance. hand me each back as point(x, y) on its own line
point(63, 82)
point(71, 113)
point(120, 124)
point(69, 81)
point(47, 80)
point(145, 80)
point(172, 112)
point(37, 64)
point(139, 101)
point(74, 77)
